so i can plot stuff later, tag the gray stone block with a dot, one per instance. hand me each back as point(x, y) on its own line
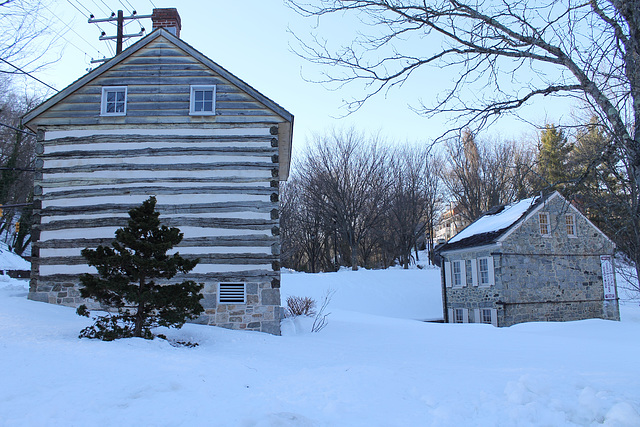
point(271, 327)
point(252, 288)
point(38, 296)
point(271, 297)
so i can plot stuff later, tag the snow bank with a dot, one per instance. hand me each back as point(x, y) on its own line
point(11, 261)
point(363, 369)
point(408, 294)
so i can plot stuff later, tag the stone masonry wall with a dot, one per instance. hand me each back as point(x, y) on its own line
point(543, 278)
point(474, 297)
point(262, 311)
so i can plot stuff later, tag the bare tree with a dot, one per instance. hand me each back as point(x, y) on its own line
point(17, 158)
point(413, 198)
point(25, 36)
point(511, 52)
point(479, 176)
point(351, 179)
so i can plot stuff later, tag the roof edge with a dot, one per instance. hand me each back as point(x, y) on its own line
point(54, 99)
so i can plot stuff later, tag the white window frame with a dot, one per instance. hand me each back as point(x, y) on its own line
point(463, 273)
point(192, 100)
point(490, 272)
point(574, 232)
point(103, 102)
point(480, 316)
point(485, 315)
point(547, 223)
point(447, 274)
point(244, 292)
point(458, 315)
point(468, 271)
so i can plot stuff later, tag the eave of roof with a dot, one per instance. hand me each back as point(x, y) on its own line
point(476, 240)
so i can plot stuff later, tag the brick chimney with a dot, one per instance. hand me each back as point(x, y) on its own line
point(167, 18)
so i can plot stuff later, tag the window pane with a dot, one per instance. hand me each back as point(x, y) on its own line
point(571, 227)
point(199, 95)
point(544, 223)
point(483, 266)
point(208, 95)
point(457, 276)
point(208, 106)
point(469, 272)
point(114, 101)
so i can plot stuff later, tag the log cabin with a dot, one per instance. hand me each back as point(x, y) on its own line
point(162, 119)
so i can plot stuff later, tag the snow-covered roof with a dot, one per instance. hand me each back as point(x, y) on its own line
point(11, 261)
point(500, 220)
point(492, 226)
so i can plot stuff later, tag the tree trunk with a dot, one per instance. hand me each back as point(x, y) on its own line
point(139, 317)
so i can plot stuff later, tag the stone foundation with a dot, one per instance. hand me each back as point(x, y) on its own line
point(262, 311)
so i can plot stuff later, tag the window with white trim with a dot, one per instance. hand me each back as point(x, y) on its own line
point(203, 100)
point(484, 272)
point(114, 101)
point(458, 274)
point(486, 315)
point(231, 293)
point(545, 224)
point(458, 315)
point(570, 221)
point(469, 272)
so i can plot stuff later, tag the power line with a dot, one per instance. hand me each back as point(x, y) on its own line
point(108, 7)
point(81, 5)
point(68, 26)
point(153, 4)
point(99, 7)
point(28, 74)
point(18, 169)
point(129, 3)
point(17, 205)
point(76, 7)
point(16, 129)
point(125, 6)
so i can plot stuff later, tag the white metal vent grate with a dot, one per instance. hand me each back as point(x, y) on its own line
point(232, 293)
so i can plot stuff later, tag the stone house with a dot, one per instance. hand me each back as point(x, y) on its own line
point(538, 259)
point(162, 119)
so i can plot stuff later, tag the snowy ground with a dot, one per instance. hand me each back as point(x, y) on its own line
point(373, 365)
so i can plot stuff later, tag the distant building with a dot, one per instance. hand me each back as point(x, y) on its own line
point(451, 223)
point(538, 259)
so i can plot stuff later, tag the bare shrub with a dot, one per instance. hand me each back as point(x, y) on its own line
point(320, 320)
point(300, 306)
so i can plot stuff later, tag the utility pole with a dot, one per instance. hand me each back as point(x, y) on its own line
point(120, 36)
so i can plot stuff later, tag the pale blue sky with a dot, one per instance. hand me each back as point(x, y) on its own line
point(250, 38)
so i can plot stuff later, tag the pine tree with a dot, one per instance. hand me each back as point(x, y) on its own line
point(126, 281)
point(553, 156)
